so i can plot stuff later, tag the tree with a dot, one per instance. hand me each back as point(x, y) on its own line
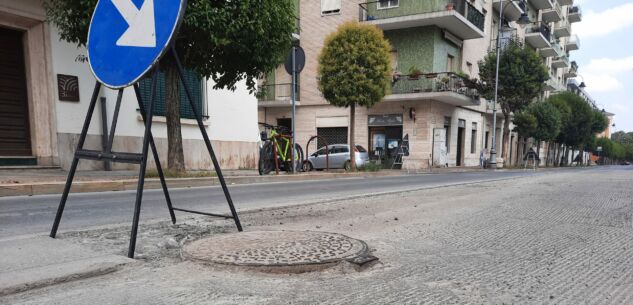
point(227, 41)
point(521, 79)
point(541, 121)
point(354, 69)
point(622, 137)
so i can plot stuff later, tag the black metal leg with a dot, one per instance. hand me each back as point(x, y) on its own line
point(159, 168)
point(205, 136)
point(141, 174)
point(73, 167)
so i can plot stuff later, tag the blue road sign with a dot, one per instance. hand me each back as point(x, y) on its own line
point(127, 37)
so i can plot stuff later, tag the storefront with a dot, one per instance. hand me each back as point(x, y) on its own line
point(385, 136)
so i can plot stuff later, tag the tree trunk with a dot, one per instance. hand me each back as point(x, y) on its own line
point(506, 137)
point(352, 143)
point(175, 155)
point(538, 152)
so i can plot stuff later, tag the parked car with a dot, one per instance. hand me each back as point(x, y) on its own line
point(339, 157)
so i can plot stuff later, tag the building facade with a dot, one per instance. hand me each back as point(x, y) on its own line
point(436, 47)
point(45, 90)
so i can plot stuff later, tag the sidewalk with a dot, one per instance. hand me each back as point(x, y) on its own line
point(27, 182)
point(29, 263)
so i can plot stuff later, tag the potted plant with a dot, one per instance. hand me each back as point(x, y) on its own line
point(449, 6)
point(414, 73)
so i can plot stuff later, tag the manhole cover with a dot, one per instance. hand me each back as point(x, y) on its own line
point(276, 249)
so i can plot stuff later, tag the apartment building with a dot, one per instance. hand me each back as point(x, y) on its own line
point(45, 89)
point(447, 122)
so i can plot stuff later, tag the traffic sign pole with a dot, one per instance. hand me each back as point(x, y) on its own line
point(121, 50)
point(294, 102)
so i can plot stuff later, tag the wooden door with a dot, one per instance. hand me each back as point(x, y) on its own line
point(15, 138)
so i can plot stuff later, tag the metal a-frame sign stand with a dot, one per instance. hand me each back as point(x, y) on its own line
point(148, 139)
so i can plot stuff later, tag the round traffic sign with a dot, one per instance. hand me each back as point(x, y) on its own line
point(128, 37)
point(300, 60)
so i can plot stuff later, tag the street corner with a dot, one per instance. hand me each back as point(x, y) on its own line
point(29, 263)
point(280, 251)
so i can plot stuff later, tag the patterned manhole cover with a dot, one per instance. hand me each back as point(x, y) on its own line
point(276, 248)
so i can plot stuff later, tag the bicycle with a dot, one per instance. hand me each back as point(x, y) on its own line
point(279, 141)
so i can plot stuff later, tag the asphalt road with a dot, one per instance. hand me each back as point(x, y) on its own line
point(34, 214)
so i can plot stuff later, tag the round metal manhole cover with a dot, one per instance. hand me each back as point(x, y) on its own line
point(275, 248)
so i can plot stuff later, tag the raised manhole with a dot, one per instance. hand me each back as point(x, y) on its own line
point(278, 249)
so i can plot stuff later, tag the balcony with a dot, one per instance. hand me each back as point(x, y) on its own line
point(538, 35)
point(553, 14)
point(542, 4)
point(446, 87)
point(573, 43)
point(574, 14)
point(560, 62)
point(512, 10)
point(551, 84)
point(276, 95)
point(565, 2)
point(572, 71)
point(459, 17)
point(555, 50)
point(562, 29)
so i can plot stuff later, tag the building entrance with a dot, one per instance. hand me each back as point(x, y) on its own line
point(15, 138)
point(385, 135)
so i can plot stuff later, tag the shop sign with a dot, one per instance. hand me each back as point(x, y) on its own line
point(385, 120)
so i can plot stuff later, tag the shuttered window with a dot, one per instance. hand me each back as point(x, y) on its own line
point(160, 109)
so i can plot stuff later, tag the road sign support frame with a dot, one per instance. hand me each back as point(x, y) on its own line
point(141, 159)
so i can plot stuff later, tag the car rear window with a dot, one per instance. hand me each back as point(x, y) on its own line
point(360, 148)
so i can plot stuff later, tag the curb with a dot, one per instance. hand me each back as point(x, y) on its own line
point(43, 188)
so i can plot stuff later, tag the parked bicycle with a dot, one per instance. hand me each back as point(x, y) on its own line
point(278, 139)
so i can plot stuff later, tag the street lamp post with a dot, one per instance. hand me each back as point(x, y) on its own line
point(524, 19)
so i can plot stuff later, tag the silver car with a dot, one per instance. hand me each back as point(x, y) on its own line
point(339, 157)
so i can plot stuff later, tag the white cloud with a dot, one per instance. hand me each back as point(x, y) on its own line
point(601, 82)
point(604, 74)
point(610, 65)
point(605, 22)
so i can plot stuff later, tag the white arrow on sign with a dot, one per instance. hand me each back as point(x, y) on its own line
point(142, 30)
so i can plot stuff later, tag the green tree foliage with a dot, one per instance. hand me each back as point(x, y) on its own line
point(227, 41)
point(622, 137)
point(354, 69)
point(559, 101)
point(522, 75)
point(525, 124)
point(548, 119)
point(579, 126)
point(599, 122)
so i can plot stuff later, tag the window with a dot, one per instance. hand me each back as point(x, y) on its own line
point(447, 126)
point(160, 109)
point(486, 140)
point(469, 66)
point(450, 63)
point(330, 7)
point(473, 139)
point(382, 4)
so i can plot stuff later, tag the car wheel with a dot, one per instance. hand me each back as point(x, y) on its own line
point(307, 166)
point(347, 166)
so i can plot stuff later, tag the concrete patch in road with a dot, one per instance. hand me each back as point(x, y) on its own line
point(36, 262)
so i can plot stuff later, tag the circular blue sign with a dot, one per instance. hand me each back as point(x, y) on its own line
point(127, 38)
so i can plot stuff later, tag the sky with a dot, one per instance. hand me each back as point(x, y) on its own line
point(605, 58)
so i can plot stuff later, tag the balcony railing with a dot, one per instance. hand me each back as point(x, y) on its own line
point(542, 28)
point(369, 11)
point(435, 82)
point(574, 14)
point(276, 92)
